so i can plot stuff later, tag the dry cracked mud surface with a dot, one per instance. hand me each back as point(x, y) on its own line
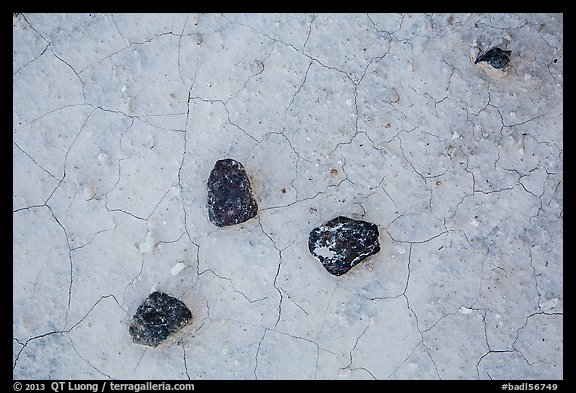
point(118, 120)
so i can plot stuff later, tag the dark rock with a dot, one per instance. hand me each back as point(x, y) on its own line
point(342, 243)
point(157, 318)
point(230, 199)
point(496, 57)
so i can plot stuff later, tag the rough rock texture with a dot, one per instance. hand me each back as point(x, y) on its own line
point(343, 242)
point(157, 318)
point(496, 57)
point(382, 114)
point(230, 199)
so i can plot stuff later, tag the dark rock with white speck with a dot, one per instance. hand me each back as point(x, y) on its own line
point(230, 199)
point(157, 318)
point(342, 243)
point(496, 57)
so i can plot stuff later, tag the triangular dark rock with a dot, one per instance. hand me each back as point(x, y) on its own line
point(496, 57)
point(230, 199)
point(157, 318)
point(343, 242)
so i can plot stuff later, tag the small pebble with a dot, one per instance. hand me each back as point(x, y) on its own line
point(230, 199)
point(342, 243)
point(177, 269)
point(157, 318)
point(496, 57)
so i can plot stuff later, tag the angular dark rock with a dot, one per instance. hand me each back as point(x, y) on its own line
point(157, 318)
point(230, 199)
point(496, 57)
point(342, 243)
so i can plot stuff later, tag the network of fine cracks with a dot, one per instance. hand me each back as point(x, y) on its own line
point(354, 80)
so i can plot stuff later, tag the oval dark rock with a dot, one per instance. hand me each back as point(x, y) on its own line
point(342, 243)
point(157, 318)
point(230, 199)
